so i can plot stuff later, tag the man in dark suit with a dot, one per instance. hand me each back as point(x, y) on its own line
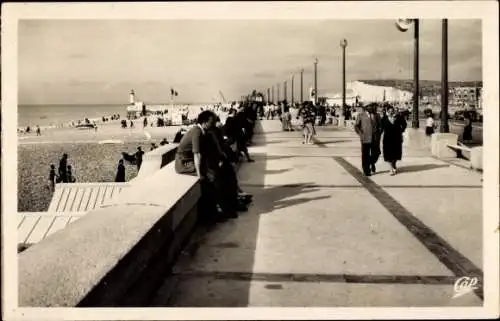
point(364, 129)
point(377, 133)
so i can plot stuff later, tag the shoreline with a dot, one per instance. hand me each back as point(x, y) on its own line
point(172, 112)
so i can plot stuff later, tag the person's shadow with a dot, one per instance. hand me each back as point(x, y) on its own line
point(421, 167)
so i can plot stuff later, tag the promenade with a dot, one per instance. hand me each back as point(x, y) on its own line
point(320, 234)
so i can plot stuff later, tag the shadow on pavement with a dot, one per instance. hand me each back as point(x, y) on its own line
point(279, 197)
point(420, 168)
point(277, 171)
point(226, 246)
point(319, 142)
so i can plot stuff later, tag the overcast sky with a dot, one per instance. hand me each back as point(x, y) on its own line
point(99, 61)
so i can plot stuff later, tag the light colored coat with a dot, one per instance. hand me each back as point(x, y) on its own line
point(364, 127)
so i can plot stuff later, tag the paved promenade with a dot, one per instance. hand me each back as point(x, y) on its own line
point(320, 234)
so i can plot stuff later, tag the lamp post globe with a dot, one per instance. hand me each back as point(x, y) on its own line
point(343, 43)
point(403, 24)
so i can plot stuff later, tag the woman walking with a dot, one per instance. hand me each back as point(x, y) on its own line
point(393, 127)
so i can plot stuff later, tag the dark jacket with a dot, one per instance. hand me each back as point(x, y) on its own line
point(393, 138)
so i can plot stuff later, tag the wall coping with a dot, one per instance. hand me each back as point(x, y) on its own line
point(154, 160)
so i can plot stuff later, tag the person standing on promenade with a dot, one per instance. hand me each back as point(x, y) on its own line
point(218, 156)
point(467, 133)
point(240, 132)
point(62, 170)
point(429, 124)
point(38, 131)
point(120, 172)
point(364, 128)
point(377, 133)
point(393, 127)
point(138, 157)
point(286, 119)
point(164, 142)
point(305, 112)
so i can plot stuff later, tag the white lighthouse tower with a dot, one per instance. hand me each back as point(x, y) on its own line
point(131, 97)
point(134, 108)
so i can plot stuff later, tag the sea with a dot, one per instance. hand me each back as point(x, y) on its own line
point(53, 115)
point(50, 116)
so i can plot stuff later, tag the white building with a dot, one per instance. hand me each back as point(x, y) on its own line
point(369, 93)
point(372, 93)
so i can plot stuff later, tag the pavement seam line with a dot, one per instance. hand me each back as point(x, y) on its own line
point(442, 250)
point(318, 277)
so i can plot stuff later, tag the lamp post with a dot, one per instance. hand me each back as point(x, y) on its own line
point(292, 90)
point(285, 96)
point(278, 99)
point(315, 81)
point(272, 97)
point(403, 25)
point(268, 96)
point(444, 127)
point(343, 45)
point(301, 86)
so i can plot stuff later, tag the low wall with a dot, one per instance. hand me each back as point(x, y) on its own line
point(154, 160)
point(110, 257)
point(98, 259)
point(118, 254)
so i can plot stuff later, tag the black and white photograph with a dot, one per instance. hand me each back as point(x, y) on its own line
point(331, 156)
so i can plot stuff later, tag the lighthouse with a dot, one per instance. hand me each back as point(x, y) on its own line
point(132, 97)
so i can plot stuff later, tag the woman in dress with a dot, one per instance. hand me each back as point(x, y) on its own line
point(393, 127)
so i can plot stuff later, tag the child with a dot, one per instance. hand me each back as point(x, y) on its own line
point(429, 125)
point(52, 178)
point(71, 178)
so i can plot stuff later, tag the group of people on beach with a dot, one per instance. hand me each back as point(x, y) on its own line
point(64, 173)
point(205, 151)
point(27, 130)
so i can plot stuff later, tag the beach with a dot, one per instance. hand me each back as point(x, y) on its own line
point(91, 160)
point(93, 155)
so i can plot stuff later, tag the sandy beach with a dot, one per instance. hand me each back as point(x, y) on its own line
point(91, 158)
point(91, 161)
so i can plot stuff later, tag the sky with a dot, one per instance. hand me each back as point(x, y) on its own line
point(100, 61)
